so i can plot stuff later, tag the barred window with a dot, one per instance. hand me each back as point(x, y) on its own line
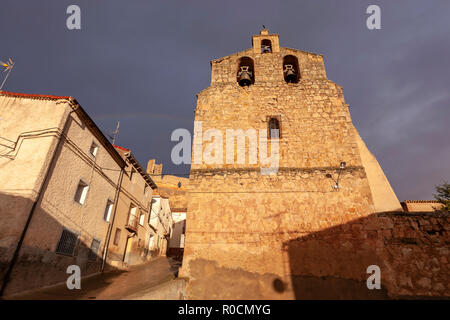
point(67, 243)
point(95, 245)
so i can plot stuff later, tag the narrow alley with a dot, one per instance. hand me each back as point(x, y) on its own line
point(153, 280)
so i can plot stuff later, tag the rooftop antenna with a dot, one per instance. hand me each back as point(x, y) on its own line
point(8, 67)
point(115, 133)
point(264, 26)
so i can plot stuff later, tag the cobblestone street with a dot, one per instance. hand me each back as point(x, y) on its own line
point(147, 281)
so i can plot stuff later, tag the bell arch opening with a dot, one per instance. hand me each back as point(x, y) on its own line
point(245, 72)
point(291, 70)
point(266, 46)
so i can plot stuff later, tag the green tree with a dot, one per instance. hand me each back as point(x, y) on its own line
point(443, 196)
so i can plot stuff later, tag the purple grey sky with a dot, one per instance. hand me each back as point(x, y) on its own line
point(142, 62)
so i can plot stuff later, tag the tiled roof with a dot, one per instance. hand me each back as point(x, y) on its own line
point(420, 201)
point(121, 148)
point(35, 96)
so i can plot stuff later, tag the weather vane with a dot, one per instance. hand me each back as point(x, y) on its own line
point(8, 67)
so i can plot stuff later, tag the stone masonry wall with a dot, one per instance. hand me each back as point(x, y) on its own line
point(240, 220)
point(412, 251)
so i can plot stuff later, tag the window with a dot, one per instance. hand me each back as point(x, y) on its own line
point(132, 173)
point(67, 243)
point(245, 72)
point(157, 242)
point(108, 210)
point(290, 69)
point(142, 219)
point(273, 128)
point(266, 46)
point(151, 242)
point(95, 245)
point(117, 237)
point(150, 210)
point(81, 193)
point(94, 149)
point(133, 217)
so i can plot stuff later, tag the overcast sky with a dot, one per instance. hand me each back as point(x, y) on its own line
point(142, 62)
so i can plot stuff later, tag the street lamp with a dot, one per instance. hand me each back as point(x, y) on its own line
point(342, 166)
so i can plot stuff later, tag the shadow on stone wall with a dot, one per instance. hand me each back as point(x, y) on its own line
point(37, 264)
point(410, 249)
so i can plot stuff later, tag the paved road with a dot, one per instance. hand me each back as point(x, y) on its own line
point(134, 283)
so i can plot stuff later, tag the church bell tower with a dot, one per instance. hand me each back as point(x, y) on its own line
point(280, 103)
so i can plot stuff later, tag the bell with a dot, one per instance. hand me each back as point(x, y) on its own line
point(244, 76)
point(266, 49)
point(289, 73)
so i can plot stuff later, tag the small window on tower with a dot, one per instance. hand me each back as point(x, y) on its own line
point(266, 46)
point(245, 73)
point(290, 69)
point(273, 128)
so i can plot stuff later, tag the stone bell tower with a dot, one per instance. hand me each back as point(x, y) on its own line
point(239, 217)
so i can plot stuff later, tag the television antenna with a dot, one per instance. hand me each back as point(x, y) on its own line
point(114, 133)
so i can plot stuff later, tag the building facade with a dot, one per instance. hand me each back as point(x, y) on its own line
point(58, 177)
point(175, 189)
point(162, 224)
point(131, 232)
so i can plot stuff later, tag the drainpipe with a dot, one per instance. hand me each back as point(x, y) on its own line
point(108, 235)
point(33, 208)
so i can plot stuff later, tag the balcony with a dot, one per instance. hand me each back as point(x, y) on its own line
point(132, 224)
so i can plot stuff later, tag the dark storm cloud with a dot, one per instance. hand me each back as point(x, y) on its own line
point(142, 63)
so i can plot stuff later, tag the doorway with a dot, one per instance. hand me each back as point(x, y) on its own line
point(126, 256)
